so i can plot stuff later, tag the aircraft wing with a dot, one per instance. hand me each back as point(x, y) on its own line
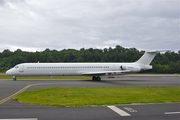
point(103, 72)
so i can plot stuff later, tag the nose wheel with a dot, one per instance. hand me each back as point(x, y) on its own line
point(14, 78)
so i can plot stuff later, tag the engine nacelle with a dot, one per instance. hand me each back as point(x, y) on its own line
point(134, 68)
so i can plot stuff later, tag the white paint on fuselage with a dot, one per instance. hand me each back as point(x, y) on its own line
point(69, 69)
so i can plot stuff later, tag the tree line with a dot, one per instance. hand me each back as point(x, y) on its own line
point(168, 62)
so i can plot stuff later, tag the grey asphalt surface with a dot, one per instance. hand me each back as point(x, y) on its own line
point(13, 109)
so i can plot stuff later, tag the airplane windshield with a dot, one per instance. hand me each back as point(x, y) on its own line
point(16, 66)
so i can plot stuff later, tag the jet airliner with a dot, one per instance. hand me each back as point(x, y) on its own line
point(96, 70)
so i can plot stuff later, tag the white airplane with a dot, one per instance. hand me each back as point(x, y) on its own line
point(83, 69)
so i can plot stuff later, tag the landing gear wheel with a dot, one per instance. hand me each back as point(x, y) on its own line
point(94, 78)
point(14, 78)
point(98, 78)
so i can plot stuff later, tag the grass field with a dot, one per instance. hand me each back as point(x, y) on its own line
point(99, 96)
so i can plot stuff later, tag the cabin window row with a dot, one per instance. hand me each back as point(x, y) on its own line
point(68, 67)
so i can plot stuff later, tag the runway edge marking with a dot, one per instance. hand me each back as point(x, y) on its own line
point(172, 113)
point(22, 90)
point(118, 111)
point(21, 119)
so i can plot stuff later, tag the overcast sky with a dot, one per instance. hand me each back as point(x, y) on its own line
point(34, 25)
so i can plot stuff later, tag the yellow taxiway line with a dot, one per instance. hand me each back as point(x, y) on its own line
point(22, 90)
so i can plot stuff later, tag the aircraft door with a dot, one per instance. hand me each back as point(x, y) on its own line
point(21, 68)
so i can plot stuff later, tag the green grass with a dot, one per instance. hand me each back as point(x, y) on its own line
point(99, 96)
point(47, 77)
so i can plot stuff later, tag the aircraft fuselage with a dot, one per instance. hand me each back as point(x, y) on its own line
point(72, 69)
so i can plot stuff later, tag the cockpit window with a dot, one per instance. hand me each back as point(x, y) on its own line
point(16, 66)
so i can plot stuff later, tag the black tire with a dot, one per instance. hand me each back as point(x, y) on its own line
point(94, 78)
point(98, 78)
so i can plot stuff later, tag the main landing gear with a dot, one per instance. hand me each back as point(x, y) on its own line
point(14, 78)
point(96, 78)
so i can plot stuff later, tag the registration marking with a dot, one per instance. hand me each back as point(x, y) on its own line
point(118, 111)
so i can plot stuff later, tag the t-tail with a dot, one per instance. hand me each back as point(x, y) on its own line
point(145, 61)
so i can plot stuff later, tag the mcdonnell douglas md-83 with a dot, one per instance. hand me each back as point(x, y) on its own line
point(86, 69)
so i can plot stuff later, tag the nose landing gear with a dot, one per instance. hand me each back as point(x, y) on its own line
point(14, 78)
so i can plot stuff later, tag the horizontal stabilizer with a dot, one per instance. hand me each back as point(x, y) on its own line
point(157, 51)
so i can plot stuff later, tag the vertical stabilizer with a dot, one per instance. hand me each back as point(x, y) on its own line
point(148, 56)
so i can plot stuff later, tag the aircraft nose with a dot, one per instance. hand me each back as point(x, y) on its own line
point(8, 72)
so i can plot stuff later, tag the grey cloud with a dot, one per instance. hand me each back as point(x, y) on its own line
point(76, 24)
point(2, 2)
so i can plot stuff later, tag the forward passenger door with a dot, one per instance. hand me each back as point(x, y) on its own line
point(21, 68)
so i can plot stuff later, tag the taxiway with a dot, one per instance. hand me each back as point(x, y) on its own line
point(11, 109)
